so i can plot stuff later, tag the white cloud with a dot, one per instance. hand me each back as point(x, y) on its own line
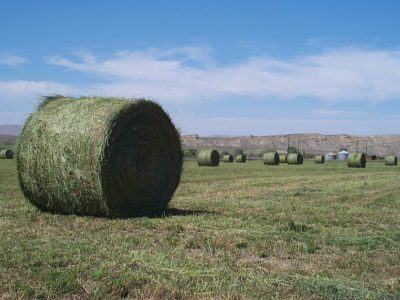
point(333, 113)
point(12, 60)
point(189, 74)
point(23, 96)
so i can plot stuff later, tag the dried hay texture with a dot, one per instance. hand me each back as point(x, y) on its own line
point(390, 160)
point(282, 158)
point(271, 158)
point(241, 158)
point(295, 159)
point(99, 156)
point(208, 158)
point(6, 154)
point(357, 160)
point(319, 159)
point(227, 158)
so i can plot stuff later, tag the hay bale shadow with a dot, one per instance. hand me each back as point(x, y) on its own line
point(172, 212)
point(168, 212)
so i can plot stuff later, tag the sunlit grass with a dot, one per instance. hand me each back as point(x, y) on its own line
point(239, 230)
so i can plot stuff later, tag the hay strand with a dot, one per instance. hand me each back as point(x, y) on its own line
point(208, 158)
point(271, 158)
point(99, 156)
point(357, 160)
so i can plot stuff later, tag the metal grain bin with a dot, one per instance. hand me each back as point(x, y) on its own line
point(343, 155)
point(330, 156)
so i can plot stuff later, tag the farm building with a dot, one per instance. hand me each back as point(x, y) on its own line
point(330, 156)
point(343, 155)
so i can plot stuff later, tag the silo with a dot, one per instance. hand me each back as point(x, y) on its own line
point(330, 156)
point(343, 155)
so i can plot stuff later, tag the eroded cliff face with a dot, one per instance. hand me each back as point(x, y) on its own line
point(311, 143)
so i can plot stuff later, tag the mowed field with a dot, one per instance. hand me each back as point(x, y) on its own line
point(236, 231)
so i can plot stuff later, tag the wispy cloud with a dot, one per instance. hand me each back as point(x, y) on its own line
point(24, 95)
point(333, 113)
point(12, 60)
point(189, 74)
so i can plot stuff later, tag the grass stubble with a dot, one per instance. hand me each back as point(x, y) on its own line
point(236, 231)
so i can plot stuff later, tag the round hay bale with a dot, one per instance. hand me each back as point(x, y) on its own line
point(241, 158)
point(6, 154)
point(208, 158)
point(227, 158)
point(357, 160)
point(295, 159)
point(319, 159)
point(390, 160)
point(271, 158)
point(99, 156)
point(282, 158)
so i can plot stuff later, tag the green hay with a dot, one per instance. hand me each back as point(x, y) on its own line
point(282, 158)
point(6, 154)
point(271, 158)
point(227, 158)
point(241, 158)
point(208, 158)
point(319, 159)
point(99, 156)
point(357, 160)
point(295, 159)
point(390, 160)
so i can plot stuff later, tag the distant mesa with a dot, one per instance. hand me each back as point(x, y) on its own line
point(311, 143)
point(315, 143)
point(8, 129)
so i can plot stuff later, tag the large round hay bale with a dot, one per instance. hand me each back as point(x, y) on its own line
point(99, 156)
point(319, 159)
point(6, 154)
point(227, 158)
point(282, 158)
point(271, 158)
point(390, 160)
point(295, 159)
point(241, 158)
point(208, 158)
point(357, 160)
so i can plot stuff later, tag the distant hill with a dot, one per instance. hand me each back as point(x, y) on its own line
point(10, 129)
point(6, 139)
point(313, 143)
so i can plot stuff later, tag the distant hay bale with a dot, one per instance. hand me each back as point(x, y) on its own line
point(6, 154)
point(99, 156)
point(227, 158)
point(208, 158)
point(241, 158)
point(295, 159)
point(319, 159)
point(282, 158)
point(357, 160)
point(390, 160)
point(271, 158)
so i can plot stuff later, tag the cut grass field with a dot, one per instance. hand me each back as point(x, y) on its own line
point(236, 231)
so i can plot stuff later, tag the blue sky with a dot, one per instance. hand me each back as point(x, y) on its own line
point(218, 67)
